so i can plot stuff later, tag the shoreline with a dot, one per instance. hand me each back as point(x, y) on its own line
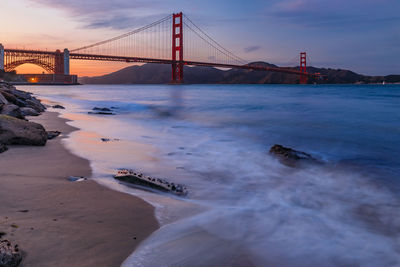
point(62, 223)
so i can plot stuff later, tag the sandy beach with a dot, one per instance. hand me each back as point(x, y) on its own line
point(61, 223)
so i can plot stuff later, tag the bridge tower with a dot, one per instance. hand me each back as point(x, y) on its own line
point(303, 67)
point(177, 48)
point(58, 62)
point(1, 57)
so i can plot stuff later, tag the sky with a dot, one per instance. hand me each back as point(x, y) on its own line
point(360, 35)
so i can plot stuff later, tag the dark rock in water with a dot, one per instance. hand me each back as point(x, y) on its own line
point(12, 110)
point(19, 132)
point(52, 134)
point(58, 106)
point(29, 111)
point(101, 113)
point(77, 179)
point(3, 148)
point(23, 211)
point(109, 140)
point(290, 157)
point(10, 256)
point(102, 109)
point(143, 182)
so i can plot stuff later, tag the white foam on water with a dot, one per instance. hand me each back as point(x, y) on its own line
point(244, 207)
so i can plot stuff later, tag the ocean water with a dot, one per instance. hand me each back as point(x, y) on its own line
point(244, 207)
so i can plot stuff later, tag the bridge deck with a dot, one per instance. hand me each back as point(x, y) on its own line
point(189, 63)
point(79, 56)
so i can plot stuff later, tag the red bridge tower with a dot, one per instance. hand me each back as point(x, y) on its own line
point(303, 67)
point(177, 48)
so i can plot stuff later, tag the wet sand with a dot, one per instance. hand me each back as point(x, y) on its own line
point(60, 223)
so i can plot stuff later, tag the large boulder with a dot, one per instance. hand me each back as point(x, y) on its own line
point(58, 106)
point(29, 111)
point(35, 104)
point(291, 157)
point(12, 110)
point(13, 99)
point(19, 132)
point(10, 98)
point(18, 93)
point(3, 100)
point(3, 148)
point(10, 256)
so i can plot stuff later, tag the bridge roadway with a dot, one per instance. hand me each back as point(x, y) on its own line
point(79, 56)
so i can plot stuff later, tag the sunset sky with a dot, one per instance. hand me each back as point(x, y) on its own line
point(361, 35)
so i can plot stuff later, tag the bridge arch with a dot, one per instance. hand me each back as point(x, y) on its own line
point(53, 62)
point(41, 63)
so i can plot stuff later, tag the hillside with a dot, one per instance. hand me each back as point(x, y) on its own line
point(161, 74)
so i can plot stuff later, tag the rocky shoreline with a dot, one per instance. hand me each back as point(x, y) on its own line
point(45, 217)
point(15, 129)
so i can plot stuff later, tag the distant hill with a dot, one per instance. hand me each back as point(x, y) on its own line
point(161, 74)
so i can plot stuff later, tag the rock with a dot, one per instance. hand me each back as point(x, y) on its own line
point(3, 100)
point(58, 106)
point(35, 104)
point(3, 148)
point(20, 103)
point(19, 132)
point(102, 109)
point(101, 113)
point(18, 93)
point(109, 140)
point(29, 111)
point(10, 98)
point(12, 110)
point(291, 157)
point(77, 179)
point(10, 256)
point(14, 100)
point(52, 134)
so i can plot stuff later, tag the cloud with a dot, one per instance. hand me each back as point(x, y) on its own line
point(116, 14)
point(252, 48)
point(79, 7)
point(343, 14)
point(121, 22)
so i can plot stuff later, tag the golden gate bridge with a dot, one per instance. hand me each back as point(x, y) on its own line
point(175, 40)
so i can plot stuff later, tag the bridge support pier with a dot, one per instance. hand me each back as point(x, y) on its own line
point(66, 61)
point(58, 62)
point(177, 48)
point(1, 57)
